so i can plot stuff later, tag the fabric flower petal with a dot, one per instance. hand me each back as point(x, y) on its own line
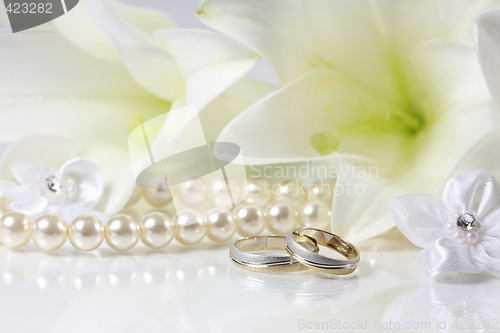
point(121, 33)
point(490, 224)
point(33, 208)
point(210, 62)
point(486, 254)
point(446, 256)
point(488, 48)
point(31, 171)
point(475, 191)
point(24, 195)
point(85, 176)
point(420, 217)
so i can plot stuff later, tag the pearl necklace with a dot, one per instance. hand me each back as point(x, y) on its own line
point(287, 204)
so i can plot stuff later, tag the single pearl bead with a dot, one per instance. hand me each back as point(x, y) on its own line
point(321, 189)
point(281, 216)
point(135, 196)
point(86, 233)
point(472, 237)
point(250, 219)
point(291, 189)
point(189, 227)
point(122, 232)
point(259, 191)
point(222, 197)
point(157, 230)
point(157, 197)
point(193, 192)
point(314, 213)
point(221, 225)
point(49, 232)
point(15, 229)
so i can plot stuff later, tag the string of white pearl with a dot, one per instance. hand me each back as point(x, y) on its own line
point(280, 210)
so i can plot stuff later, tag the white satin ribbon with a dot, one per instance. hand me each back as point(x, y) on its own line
point(432, 225)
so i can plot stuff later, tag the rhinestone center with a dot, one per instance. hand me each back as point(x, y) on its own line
point(54, 184)
point(466, 222)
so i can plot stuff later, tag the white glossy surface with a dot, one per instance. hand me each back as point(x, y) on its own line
point(198, 289)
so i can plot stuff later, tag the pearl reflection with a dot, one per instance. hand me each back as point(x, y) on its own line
point(84, 271)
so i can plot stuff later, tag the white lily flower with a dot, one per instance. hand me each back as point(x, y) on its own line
point(88, 77)
point(460, 235)
point(485, 154)
point(40, 188)
point(396, 82)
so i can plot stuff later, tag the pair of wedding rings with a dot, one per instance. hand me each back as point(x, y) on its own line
point(265, 253)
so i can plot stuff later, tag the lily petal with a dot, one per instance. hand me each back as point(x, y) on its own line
point(420, 217)
point(446, 256)
point(295, 36)
point(230, 104)
point(119, 34)
point(37, 99)
point(272, 28)
point(359, 207)
point(285, 135)
point(210, 62)
point(86, 175)
point(482, 155)
point(450, 72)
point(115, 168)
point(461, 104)
point(488, 47)
point(475, 191)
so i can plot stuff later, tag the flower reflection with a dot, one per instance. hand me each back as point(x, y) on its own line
point(462, 304)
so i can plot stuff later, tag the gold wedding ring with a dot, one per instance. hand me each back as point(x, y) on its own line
point(296, 239)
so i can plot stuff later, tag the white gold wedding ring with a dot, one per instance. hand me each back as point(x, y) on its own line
point(295, 246)
point(267, 253)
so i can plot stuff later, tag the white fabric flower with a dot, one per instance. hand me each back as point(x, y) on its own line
point(69, 192)
point(460, 235)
